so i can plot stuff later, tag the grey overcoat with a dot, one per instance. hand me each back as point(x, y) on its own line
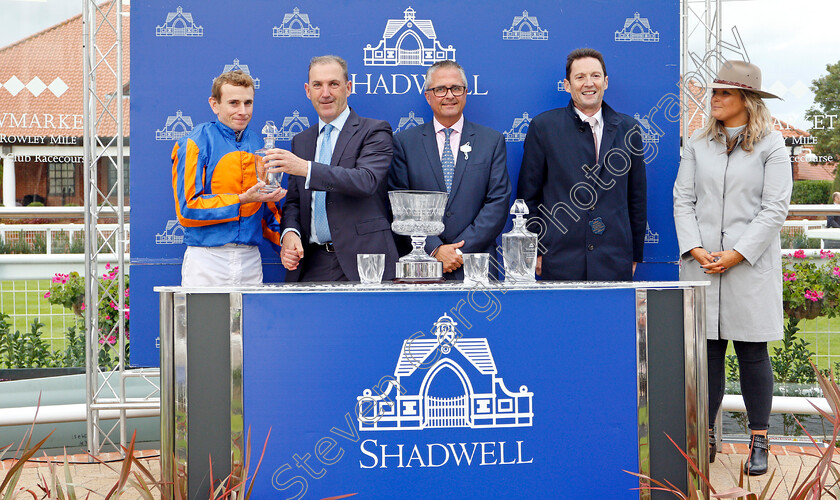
point(739, 202)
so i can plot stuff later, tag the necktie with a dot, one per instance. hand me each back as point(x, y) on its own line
point(447, 161)
point(322, 226)
point(593, 124)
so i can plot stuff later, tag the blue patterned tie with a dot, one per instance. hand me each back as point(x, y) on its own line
point(447, 161)
point(322, 226)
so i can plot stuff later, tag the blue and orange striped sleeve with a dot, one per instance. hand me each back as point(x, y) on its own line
point(195, 204)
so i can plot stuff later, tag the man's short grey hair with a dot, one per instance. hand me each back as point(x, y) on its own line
point(446, 63)
point(328, 59)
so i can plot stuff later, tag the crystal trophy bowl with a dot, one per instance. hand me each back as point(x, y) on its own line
point(418, 214)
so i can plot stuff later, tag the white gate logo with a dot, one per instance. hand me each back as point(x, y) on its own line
point(636, 29)
point(650, 135)
point(177, 126)
point(407, 122)
point(408, 42)
point(296, 25)
point(172, 235)
point(292, 125)
point(519, 129)
point(179, 23)
point(525, 27)
point(243, 68)
point(651, 237)
point(484, 400)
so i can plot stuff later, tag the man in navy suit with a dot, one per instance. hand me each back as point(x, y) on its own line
point(583, 179)
point(337, 205)
point(462, 158)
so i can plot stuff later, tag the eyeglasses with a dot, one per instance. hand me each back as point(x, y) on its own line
point(457, 90)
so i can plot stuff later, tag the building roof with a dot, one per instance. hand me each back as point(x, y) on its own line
point(42, 81)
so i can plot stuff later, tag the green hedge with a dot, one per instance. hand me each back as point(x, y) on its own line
point(811, 192)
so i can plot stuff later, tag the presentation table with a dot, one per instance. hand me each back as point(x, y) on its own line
point(542, 390)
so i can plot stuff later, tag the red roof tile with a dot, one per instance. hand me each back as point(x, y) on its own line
point(42, 80)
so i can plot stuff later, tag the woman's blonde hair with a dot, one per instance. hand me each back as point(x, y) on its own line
point(834, 197)
point(759, 122)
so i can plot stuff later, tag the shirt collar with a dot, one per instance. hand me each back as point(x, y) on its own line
point(229, 132)
point(599, 116)
point(457, 126)
point(339, 121)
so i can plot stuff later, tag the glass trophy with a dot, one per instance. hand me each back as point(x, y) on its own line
point(519, 248)
point(418, 214)
point(272, 179)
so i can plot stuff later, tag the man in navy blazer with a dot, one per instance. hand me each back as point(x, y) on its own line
point(337, 205)
point(479, 187)
point(583, 179)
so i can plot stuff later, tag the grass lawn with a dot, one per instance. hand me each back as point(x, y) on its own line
point(24, 301)
point(822, 336)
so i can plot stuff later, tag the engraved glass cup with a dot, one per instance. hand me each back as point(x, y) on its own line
point(476, 268)
point(371, 267)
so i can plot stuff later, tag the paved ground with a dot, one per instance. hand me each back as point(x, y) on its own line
point(94, 477)
point(788, 461)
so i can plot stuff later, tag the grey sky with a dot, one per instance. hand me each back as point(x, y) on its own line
point(791, 42)
point(25, 17)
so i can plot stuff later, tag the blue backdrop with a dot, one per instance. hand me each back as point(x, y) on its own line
point(514, 59)
point(304, 373)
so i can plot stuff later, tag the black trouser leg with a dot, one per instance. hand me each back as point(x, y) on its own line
point(756, 382)
point(716, 357)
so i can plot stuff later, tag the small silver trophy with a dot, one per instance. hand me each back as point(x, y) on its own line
point(272, 179)
point(418, 214)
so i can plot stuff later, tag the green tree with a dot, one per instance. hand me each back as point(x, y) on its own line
point(825, 114)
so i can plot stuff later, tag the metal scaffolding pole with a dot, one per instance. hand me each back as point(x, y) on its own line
point(106, 354)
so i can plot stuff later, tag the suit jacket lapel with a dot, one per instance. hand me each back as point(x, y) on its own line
point(467, 136)
point(351, 126)
point(431, 147)
point(611, 121)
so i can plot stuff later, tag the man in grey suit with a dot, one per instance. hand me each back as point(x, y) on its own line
point(460, 157)
point(337, 205)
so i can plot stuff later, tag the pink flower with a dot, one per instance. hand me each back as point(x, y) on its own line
point(83, 307)
point(789, 276)
point(826, 254)
point(799, 254)
point(107, 266)
point(126, 292)
point(47, 295)
point(111, 340)
point(107, 316)
point(126, 314)
point(813, 296)
point(113, 305)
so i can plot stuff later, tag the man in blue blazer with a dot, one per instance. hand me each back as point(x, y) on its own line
point(462, 158)
point(337, 205)
point(583, 179)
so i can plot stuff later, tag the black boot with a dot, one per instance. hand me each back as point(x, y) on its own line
point(759, 450)
point(712, 446)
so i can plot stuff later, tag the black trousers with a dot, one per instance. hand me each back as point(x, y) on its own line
point(756, 380)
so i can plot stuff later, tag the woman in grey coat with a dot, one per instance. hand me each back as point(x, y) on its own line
point(730, 200)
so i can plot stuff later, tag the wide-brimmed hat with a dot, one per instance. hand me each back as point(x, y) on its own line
point(742, 76)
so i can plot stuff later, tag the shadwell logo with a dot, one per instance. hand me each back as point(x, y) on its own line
point(446, 382)
point(408, 42)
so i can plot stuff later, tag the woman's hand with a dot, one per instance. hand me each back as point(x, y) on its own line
point(724, 260)
point(701, 255)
